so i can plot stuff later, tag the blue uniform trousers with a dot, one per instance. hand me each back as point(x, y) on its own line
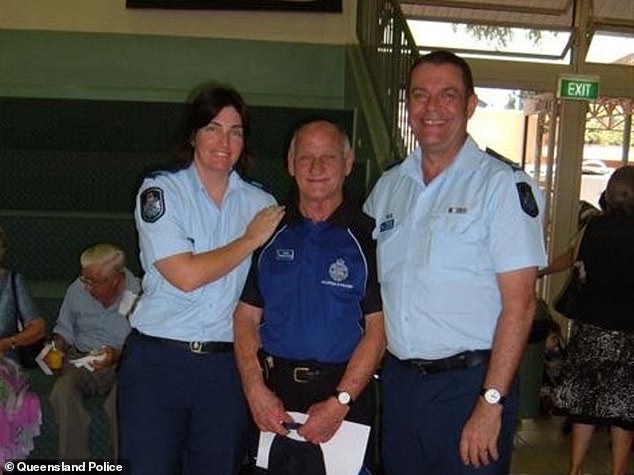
point(180, 412)
point(423, 417)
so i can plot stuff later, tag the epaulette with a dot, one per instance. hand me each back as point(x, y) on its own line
point(393, 164)
point(257, 184)
point(155, 173)
point(164, 170)
point(498, 156)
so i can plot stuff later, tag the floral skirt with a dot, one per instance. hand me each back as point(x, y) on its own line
point(20, 415)
point(597, 385)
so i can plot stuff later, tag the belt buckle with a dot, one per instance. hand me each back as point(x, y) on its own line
point(196, 347)
point(424, 367)
point(298, 371)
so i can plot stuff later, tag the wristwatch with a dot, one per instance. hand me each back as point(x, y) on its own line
point(343, 398)
point(492, 396)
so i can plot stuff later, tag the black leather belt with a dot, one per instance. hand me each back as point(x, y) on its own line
point(303, 371)
point(464, 360)
point(192, 346)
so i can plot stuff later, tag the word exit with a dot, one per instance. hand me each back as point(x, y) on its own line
point(578, 87)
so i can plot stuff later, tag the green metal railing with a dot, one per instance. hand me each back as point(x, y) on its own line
point(388, 49)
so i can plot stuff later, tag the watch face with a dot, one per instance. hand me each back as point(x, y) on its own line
point(492, 396)
point(343, 397)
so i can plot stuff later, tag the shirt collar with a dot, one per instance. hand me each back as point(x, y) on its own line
point(341, 217)
point(234, 180)
point(468, 157)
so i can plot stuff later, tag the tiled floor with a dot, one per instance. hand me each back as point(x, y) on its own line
point(541, 448)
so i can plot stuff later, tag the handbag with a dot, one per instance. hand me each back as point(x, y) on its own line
point(567, 302)
point(26, 353)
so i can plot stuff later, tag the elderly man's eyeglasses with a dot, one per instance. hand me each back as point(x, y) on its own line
point(89, 282)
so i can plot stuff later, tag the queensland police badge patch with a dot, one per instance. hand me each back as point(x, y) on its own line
point(152, 204)
point(527, 200)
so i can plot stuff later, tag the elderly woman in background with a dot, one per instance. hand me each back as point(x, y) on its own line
point(14, 297)
point(598, 375)
point(20, 415)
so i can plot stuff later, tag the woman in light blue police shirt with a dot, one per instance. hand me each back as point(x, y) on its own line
point(180, 402)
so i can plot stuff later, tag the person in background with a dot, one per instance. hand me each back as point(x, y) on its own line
point(15, 297)
point(181, 406)
point(565, 259)
point(92, 321)
point(20, 414)
point(597, 387)
point(459, 240)
point(310, 311)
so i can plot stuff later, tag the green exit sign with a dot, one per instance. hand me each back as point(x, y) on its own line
point(584, 88)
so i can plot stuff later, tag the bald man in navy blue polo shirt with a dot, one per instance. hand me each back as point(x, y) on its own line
point(311, 307)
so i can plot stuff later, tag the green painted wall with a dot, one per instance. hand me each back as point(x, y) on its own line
point(160, 68)
point(83, 115)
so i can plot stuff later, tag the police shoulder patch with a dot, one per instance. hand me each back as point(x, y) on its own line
point(527, 199)
point(152, 204)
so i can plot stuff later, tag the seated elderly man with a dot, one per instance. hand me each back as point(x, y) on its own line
point(93, 321)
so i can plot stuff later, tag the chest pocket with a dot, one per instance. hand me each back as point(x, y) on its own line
point(390, 252)
point(457, 242)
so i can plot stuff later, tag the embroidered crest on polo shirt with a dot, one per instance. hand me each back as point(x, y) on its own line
point(152, 204)
point(338, 272)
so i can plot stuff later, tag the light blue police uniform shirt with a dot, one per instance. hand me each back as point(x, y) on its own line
point(192, 223)
point(441, 245)
point(84, 323)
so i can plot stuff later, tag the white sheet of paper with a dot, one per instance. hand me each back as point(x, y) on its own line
point(84, 362)
point(343, 454)
point(39, 359)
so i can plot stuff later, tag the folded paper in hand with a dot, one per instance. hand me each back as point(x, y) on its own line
point(86, 361)
point(343, 454)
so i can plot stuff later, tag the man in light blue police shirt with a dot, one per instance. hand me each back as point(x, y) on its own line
point(459, 241)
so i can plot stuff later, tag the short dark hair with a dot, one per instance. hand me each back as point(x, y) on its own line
point(444, 57)
point(207, 102)
point(619, 194)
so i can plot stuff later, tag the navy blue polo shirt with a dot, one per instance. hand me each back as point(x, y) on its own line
point(315, 283)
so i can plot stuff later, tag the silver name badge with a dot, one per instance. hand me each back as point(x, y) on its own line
point(387, 224)
point(284, 255)
point(457, 210)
